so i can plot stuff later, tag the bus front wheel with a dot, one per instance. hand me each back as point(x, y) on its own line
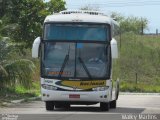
point(104, 106)
point(49, 105)
point(113, 104)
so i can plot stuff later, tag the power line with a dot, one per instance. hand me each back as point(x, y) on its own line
point(119, 5)
point(123, 4)
point(122, 1)
point(133, 2)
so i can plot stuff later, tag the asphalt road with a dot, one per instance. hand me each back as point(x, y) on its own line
point(129, 107)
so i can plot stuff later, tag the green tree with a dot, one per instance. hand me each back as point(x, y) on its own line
point(4, 5)
point(55, 6)
point(117, 16)
point(28, 16)
point(134, 24)
point(131, 23)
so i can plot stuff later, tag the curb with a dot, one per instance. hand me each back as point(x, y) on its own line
point(20, 101)
point(25, 99)
point(130, 93)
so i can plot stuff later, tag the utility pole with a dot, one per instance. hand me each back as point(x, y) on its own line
point(156, 31)
point(120, 32)
point(142, 26)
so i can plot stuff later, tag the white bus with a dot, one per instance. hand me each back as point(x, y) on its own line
point(76, 52)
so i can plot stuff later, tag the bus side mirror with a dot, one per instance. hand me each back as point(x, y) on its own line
point(35, 47)
point(114, 49)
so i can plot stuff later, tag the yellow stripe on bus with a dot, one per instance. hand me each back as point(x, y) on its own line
point(84, 84)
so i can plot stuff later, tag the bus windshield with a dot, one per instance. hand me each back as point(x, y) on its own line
point(76, 32)
point(75, 60)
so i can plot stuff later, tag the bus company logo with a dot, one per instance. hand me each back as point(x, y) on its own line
point(92, 83)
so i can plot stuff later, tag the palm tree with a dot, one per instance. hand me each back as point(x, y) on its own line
point(13, 69)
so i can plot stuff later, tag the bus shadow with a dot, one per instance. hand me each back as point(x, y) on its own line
point(97, 109)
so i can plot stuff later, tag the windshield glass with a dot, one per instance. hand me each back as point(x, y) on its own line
point(75, 60)
point(76, 32)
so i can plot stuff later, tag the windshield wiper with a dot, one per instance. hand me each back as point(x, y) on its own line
point(85, 68)
point(64, 63)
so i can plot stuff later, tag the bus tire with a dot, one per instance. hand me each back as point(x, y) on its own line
point(62, 105)
point(104, 106)
point(117, 90)
point(49, 105)
point(67, 106)
point(113, 104)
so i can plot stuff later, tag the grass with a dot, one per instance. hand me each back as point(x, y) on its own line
point(8, 93)
point(140, 63)
point(19, 92)
point(140, 87)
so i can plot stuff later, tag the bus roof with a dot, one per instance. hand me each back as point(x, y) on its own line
point(80, 16)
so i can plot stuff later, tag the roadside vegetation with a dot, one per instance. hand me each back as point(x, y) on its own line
point(139, 56)
point(9, 94)
point(140, 63)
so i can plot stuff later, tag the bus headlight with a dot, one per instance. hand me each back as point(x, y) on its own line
point(49, 87)
point(100, 88)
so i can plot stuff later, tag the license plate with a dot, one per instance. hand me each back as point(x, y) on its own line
point(74, 96)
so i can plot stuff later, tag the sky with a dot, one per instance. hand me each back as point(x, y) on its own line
point(141, 8)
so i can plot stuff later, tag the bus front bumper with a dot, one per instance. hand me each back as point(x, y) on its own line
point(91, 96)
